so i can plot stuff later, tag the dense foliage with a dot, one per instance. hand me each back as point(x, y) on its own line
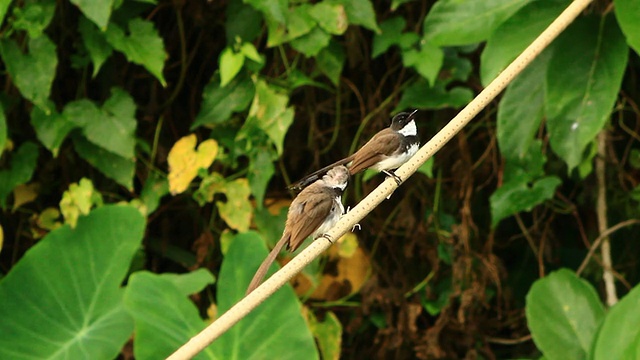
point(146, 147)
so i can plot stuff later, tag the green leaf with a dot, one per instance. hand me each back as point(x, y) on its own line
point(155, 187)
point(331, 61)
point(359, 12)
point(275, 329)
point(270, 226)
point(261, 170)
point(396, 3)
point(299, 22)
point(250, 52)
point(515, 34)
point(521, 110)
point(583, 80)
point(427, 168)
point(4, 6)
point(517, 196)
point(190, 283)
point(270, 113)
point(619, 335)
point(563, 314)
point(310, 44)
point(22, 165)
point(96, 44)
point(34, 17)
point(328, 334)
point(332, 18)
point(112, 127)
point(113, 166)
point(32, 73)
point(272, 9)
point(51, 129)
point(66, 290)
point(427, 61)
point(230, 65)
point(141, 44)
point(390, 32)
point(3, 129)
point(242, 21)
point(463, 22)
point(218, 103)
point(97, 11)
point(150, 297)
point(629, 20)
point(237, 210)
point(422, 96)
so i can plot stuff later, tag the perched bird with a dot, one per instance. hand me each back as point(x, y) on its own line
point(387, 150)
point(314, 211)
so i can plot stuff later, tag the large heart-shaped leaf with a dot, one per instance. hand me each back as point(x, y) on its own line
point(63, 299)
point(563, 314)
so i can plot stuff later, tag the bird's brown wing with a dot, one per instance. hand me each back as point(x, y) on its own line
point(373, 151)
point(313, 213)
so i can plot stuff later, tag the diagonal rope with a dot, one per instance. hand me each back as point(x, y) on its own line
point(277, 280)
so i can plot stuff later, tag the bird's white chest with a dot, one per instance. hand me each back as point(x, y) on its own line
point(394, 162)
point(332, 218)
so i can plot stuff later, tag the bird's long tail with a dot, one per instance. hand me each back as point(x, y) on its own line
point(318, 174)
point(266, 264)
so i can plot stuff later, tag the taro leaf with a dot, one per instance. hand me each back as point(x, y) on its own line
point(619, 335)
point(270, 113)
point(427, 61)
point(3, 129)
point(141, 44)
point(390, 32)
point(51, 129)
point(32, 73)
point(22, 166)
point(237, 210)
point(299, 22)
point(185, 161)
point(583, 80)
point(310, 44)
point(359, 12)
point(218, 103)
point(463, 22)
point(66, 290)
point(330, 61)
point(521, 110)
point(34, 17)
point(269, 225)
point(97, 11)
point(563, 314)
point(95, 42)
point(332, 18)
point(261, 170)
point(164, 316)
point(629, 19)
point(276, 328)
point(113, 166)
point(515, 34)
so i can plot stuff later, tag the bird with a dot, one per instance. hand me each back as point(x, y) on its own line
point(387, 150)
point(314, 211)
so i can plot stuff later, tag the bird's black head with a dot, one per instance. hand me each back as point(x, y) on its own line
point(401, 119)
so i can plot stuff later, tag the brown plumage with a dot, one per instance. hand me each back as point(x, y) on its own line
point(313, 212)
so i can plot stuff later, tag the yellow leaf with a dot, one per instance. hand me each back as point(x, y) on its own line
point(237, 211)
point(185, 161)
point(23, 194)
point(78, 200)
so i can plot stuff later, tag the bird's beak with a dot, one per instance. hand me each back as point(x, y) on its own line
point(413, 114)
